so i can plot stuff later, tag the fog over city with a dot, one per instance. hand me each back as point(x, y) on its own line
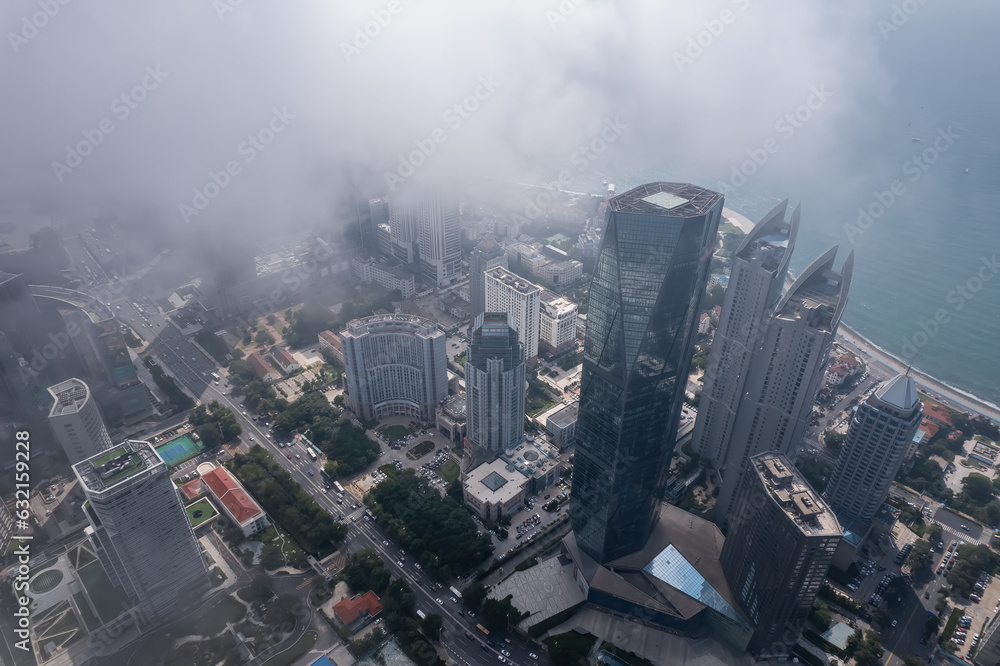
point(694, 87)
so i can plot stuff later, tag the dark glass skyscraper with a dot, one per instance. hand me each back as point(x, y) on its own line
point(495, 384)
point(648, 283)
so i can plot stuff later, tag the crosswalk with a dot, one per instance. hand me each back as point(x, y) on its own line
point(335, 563)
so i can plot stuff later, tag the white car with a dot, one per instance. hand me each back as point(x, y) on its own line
point(440, 603)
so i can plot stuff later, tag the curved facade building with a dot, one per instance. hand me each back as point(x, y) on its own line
point(395, 364)
point(760, 265)
point(786, 372)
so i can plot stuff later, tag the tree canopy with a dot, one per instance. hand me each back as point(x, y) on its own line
point(438, 530)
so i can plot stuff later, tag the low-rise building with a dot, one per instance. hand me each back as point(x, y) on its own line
point(494, 489)
point(561, 273)
point(263, 369)
point(235, 501)
point(387, 275)
point(562, 425)
point(357, 611)
point(451, 418)
point(284, 360)
point(556, 322)
point(330, 343)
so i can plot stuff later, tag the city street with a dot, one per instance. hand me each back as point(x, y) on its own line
point(193, 371)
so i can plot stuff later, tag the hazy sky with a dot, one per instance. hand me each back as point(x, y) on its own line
point(703, 82)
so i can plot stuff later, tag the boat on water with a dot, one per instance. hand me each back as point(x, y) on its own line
point(914, 138)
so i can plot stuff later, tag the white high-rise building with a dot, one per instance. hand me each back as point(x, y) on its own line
point(756, 281)
point(76, 421)
point(556, 322)
point(141, 532)
point(425, 227)
point(877, 440)
point(506, 292)
point(786, 372)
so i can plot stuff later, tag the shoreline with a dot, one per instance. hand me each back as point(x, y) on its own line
point(850, 338)
point(945, 392)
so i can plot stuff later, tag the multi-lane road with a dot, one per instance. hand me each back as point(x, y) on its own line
point(193, 370)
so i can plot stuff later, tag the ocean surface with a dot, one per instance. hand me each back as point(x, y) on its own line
point(941, 233)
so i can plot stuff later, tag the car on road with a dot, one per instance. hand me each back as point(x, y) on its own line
point(965, 527)
point(505, 653)
point(385, 543)
point(289, 456)
point(895, 622)
point(310, 473)
point(500, 657)
point(532, 655)
point(440, 603)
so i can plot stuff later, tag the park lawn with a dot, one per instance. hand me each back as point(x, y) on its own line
point(207, 512)
point(299, 648)
point(271, 537)
point(449, 471)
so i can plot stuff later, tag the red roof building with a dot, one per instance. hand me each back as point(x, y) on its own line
point(355, 612)
point(235, 501)
point(331, 344)
point(192, 489)
point(262, 367)
point(285, 360)
point(937, 414)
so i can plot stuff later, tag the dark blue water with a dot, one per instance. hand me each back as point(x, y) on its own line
point(942, 232)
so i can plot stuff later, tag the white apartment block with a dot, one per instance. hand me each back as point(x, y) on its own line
point(506, 292)
point(76, 421)
point(557, 323)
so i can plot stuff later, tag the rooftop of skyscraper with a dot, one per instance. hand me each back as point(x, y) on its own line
point(771, 238)
point(518, 283)
point(790, 491)
point(69, 397)
point(900, 392)
point(119, 463)
point(819, 295)
point(387, 321)
point(680, 199)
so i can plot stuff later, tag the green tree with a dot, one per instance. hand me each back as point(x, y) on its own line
point(271, 557)
point(934, 533)
point(263, 337)
point(977, 488)
point(498, 614)
point(834, 441)
point(209, 434)
point(920, 557)
point(432, 626)
point(473, 595)
point(820, 615)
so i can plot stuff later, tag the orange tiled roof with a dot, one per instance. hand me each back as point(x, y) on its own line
point(229, 491)
point(192, 489)
point(259, 365)
point(349, 610)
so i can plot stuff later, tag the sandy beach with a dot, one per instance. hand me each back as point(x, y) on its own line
point(852, 339)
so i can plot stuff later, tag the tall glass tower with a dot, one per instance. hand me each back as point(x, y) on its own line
point(495, 384)
point(650, 276)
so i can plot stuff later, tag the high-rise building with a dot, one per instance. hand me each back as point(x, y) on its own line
point(756, 281)
point(506, 292)
point(141, 532)
point(877, 440)
point(394, 364)
point(786, 372)
point(988, 653)
point(556, 322)
point(648, 282)
point(76, 421)
point(424, 227)
point(487, 255)
point(6, 526)
point(781, 541)
point(495, 383)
